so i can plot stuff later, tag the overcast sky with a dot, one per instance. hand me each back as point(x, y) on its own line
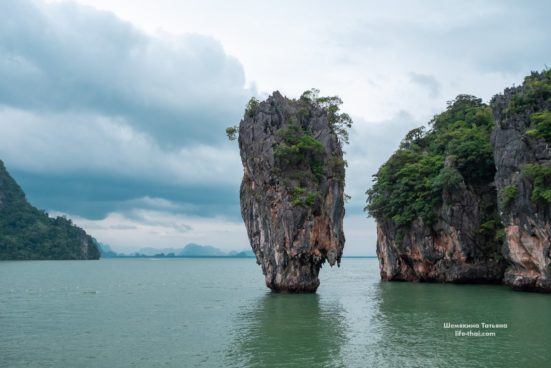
point(113, 113)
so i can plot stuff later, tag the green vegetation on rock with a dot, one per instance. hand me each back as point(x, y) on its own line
point(540, 175)
point(302, 197)
point(540, 125)
point(338, 121)
point(29, 233)
point(298, 156)
point(507, 195)
point(533, 99)
point(455, 152)
point(231, 132)
point(491, 230)
point(536, 90)
point(299, 151)
point(251, 106)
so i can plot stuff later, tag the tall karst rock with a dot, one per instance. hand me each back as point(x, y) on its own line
point(28, 233)
point(292, 193)
point(434, 202)
point(521, 143)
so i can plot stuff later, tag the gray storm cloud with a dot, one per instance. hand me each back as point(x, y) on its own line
point(96, 114)
point(67, 57)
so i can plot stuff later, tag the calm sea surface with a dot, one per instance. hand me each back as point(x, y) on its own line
point(217, 313)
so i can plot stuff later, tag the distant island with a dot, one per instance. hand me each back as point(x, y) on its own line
point(27, 233)
point(189, 251)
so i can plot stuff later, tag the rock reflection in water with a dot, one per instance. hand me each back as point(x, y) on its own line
point(283, 330)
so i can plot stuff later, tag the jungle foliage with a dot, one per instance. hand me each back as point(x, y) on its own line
point(454, 152)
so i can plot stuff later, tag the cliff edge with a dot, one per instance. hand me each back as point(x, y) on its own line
point(521, 143)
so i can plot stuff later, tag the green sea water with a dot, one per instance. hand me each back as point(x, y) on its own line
point(218, 313)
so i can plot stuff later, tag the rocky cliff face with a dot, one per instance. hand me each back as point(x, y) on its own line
point(521, 143)
point(435, 204)
point(29, 233)
point(292, 190)
point(452, 249)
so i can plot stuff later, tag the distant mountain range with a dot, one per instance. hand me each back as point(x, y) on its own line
point(190, 250)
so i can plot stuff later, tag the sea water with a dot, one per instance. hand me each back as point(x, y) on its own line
point(218, 313)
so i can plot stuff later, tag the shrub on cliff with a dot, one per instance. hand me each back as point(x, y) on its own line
point(536, 90)
point(338, 121)
point(299, 150)
point(540, 176)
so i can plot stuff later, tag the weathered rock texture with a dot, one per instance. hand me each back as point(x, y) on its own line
point(292, 206)
point(435, 203)
point(527, 221)
point(452, 249)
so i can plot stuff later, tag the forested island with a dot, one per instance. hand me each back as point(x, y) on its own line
point(469, 200)
point(27, 233)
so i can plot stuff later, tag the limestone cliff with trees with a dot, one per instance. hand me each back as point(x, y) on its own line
point(292, 192)
point(469, 200)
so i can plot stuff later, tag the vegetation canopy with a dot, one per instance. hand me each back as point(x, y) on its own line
point(540, 175)
point(299, 150)
point(455, 152)
point(339, 122)
point(536, 90)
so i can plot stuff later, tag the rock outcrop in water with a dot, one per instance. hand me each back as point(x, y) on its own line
point(435, 199)
point(449, 250)
point(292, 193)
point(29, 233)
point(521, 143)
point(434, 202)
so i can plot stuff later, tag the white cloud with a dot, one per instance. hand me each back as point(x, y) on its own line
point(66, 143)
point(361, 236)
point(366, 50)
point(139, 228)
point(371, 144)
point(65, 57)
